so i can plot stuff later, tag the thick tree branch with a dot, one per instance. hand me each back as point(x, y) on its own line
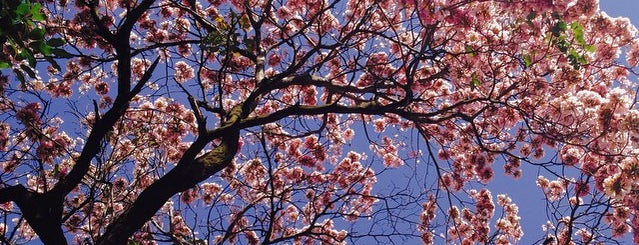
point(188, 172)
point(43, 212)
point(12, 193)
point(133, 16)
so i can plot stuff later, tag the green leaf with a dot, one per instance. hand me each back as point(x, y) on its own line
point(56, 170)
point(23, 9)
point(562, 25)
point(531, 16)
point(590, 48)
point(61, 53)
point(45, 49)
point(578, 32)
point(36, 7)
point(249, 43)
point(36, 12)
point(40, 47)
point(562, 44)
point(527, 60)
point(31, 59)
point(576, 60)
point(558, 28)
point(582, 60)
point(214, 38)
point(56, 42)
point(13, 50)
point(476, 82)
point(4, 65)
point(245, 23)
point(20, 57)
point(575, 25)
point(53, 63)
point(573, 53)
point(38, 17)
point(36, 34)
point(549, 39)
point(20, 77)
point(28, 70)
point(26, 54)
point(469, 49)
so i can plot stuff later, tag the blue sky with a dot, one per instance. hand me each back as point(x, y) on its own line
point(628, 8)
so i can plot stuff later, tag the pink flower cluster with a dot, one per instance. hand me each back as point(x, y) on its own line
point(471, 227)
point(554, 189)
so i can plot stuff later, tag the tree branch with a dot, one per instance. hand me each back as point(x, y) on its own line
point(13, 193)
point(188, 172)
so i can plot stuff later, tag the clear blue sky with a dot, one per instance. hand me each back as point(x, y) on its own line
point(627, 8)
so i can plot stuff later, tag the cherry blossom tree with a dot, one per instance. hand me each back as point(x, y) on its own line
point(319, 121)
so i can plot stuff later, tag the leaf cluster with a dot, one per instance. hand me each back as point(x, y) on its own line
point(224, 38)
point(558, 36)
point(24, 38)
point(561, 40)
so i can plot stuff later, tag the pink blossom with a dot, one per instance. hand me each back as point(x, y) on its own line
point(138, 66)
point(102, 88)
point(189, 196)
point(465, 77)
point(183, 72)
point(274, 59)
point(309, 95)
point(59, 89)
point(4, 136)
point(616, 186)
point(348, 134)
point(30, 118)
point(570, 155)
point(380, 125)
point(620, 229)
point(392, 161)
point(486, 174)
point(582, 188)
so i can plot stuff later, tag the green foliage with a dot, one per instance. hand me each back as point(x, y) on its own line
point(25, 38)
point(558, 29)
point(568, 38)
point(531, 16)
point(469, 49)
point(226, 37)
point(568, 45)
point(474, 82)
point(527, 60)
point(576, 60)
point(578, 33)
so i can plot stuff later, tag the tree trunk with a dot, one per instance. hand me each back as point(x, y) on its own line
point(43, 212)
